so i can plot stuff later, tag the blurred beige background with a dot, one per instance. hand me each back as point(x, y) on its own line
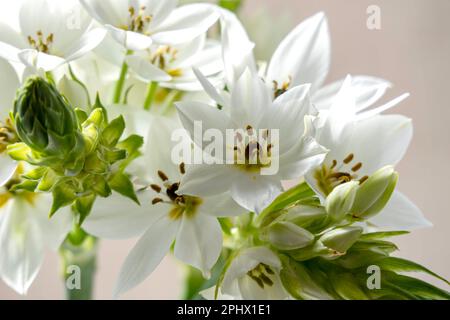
point(412, 50)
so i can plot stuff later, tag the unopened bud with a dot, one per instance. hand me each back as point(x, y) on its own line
point(374, 193)
point(340, 201)
point(341, 239)
point(288, 236)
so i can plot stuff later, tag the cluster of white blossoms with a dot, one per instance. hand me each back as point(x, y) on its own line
point(158, 67)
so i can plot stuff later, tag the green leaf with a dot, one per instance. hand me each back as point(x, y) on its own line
point(122, 184)
point(346, 285)
point(382, 235)
point(414, 287)
point(402, 265)
point(297, 280)
point(113, 131)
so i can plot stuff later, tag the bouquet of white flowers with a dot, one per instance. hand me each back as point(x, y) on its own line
point(154, 119)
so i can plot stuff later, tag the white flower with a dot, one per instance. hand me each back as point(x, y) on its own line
point(165, 216)
point(136, 25)
point(251, 109)
point(9, 83)
point(25, 231)
point(360, 144)
point(172, 65)
point(254, 275)
point(303, 56)
point(51, 34)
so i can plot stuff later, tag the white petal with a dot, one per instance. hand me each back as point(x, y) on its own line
point(119, 218)
point(237, 48)
point(379, 141)
point(8, 166)
point(306, 154)
point(199, 242)
point(255, 192)
point(9, 83)
point(39, 60)
point(11, 37)
point(221, 205)
point(146, 254)
point(247, 260)
point(209, 88)
point(129, 39)
point(108, 12)
point(186, 23)
point(303, 55)
point(400, 214)
point(146, 70)
point(384, 107)
point(21, 246)
point(367, 90)
point(202, 116)
point(9, 52)
point(249, 100)
point(55, 229)
point(88, 42)
point(207, 180)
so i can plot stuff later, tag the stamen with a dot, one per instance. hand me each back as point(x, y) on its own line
point(357, 167)
point(182, 168)
point(334, 164)
point(363, 179)
point(157, 200)
point(266, 279)
point(349, 158)
point(268, 269)
point(156, 188)
point(162, 176)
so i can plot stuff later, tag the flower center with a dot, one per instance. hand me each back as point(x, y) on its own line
point(251, 153)
point(181, 204)
point(41, 43)
point(262, 275)
point(162, 57)
point(138, 20)
point(329, 177)
point(7, 135)
point(279, 90)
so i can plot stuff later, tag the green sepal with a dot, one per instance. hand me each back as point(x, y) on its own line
point(101, 186)
point(63, 195)
point(48, 181)
point(19, 151)
point(27, 185)
point(132, 144)
point(113, 131)
point(122, 184)
point(81, 115)
point(346, 286)
point(112, 156)
point(35, 174)
point(95, 165)
point(84, 206)
point(382, 235)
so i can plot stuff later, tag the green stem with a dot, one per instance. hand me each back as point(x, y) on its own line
point(172, 97)
point(151, 92)
point(120, 83)
point(78, 255)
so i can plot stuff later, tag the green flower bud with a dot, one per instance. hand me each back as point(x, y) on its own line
point(374, 193)
point(288, 236)
point(45, 121)
point(340, 201)
point(341, 239)
point(232, 5)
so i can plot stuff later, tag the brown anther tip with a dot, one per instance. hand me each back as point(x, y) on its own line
point(162, 176)
point(349, 158)
point(357, 167)
point(363, 179)
point(155, 187)
point(182, 168)
point(157, 200)
point(334, 164)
